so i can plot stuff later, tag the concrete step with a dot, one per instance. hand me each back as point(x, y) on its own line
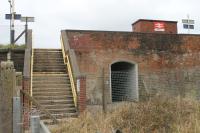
point(59, 106)
point(51, 85)
point(62, 110)
point(35, 54)
point(60, 115)
point(50, 66)
point(50, 78)
point(41, 90)
point(52, 81)
point(54, 102)
point(52, 74)
point(47, 50)
point(37, 94)
point(42, 97)
point(49, 70)
point(45, 59)
point(48, 60)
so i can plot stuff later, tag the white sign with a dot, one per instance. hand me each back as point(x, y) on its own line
point(187, 21)
point(27, 19)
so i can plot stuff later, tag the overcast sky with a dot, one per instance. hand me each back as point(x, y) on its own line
point(52, 16)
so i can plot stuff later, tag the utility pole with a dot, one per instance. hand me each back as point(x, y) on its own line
point(12, 28)
point(13, 22)
point(188, 19)
point(12, 17)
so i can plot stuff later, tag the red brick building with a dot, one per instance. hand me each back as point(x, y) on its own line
point(155, 26)
point(132, 65)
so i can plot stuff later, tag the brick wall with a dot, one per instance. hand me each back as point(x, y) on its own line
point(152, 52)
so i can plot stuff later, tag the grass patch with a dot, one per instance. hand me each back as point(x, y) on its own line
point(161, 114)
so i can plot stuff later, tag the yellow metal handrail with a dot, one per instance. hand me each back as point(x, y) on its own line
point(69, 68)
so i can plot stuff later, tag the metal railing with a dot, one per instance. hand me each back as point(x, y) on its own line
point(70, 73)
point(39, 106)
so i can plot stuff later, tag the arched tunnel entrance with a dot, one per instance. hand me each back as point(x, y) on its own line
point(124, 81)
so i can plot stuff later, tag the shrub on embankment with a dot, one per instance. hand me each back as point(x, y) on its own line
point(161, 114)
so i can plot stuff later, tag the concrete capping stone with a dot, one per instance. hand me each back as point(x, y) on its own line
point(7, 65)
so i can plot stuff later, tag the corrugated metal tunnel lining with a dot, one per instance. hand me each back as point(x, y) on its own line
point(123, 81)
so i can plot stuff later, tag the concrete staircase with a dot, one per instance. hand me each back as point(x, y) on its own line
point(51, 84)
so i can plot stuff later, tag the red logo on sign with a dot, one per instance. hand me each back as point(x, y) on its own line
point(159, 26)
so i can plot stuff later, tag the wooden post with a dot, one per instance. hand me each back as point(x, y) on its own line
point(7, 90)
